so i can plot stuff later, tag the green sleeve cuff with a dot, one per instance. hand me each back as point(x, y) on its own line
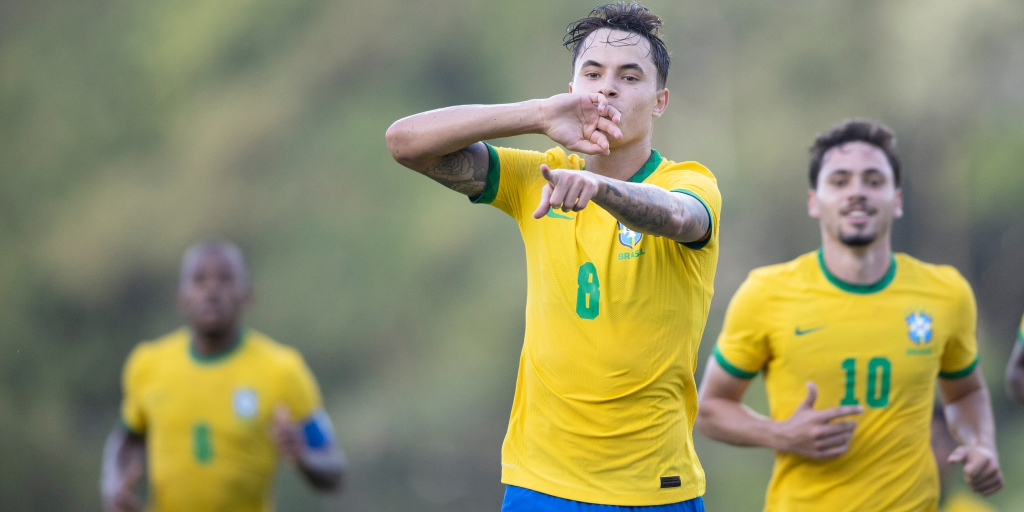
point(493, 178)
point(699, 244)
point(131, 430)
point(733, 370)
point(960, 373)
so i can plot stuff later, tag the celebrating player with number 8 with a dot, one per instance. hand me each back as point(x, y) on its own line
point(621, 256)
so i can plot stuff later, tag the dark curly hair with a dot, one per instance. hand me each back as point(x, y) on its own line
point(629, 17)
point(854, 130)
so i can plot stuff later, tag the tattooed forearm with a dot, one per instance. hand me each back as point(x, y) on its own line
point(654, 210)
point(464, 171)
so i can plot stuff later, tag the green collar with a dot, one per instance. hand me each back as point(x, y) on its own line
point(650, 165)
point(648, 168)
point(215, 358)
point(858, 288)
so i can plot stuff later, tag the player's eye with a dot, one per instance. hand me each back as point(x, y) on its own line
point(631, 78)
point(591, 74)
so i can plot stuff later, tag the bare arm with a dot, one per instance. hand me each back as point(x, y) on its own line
point(641, 207)
point(444, 144)
point(969, 415)
point(723, 417)
point(1015, 374)
point(650, 209)
point(124, 462)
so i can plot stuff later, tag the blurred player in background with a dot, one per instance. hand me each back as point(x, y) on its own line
point(942, 447)
point(851, 338)
point(209, 408)
point(621, 258)
point(1015, 368)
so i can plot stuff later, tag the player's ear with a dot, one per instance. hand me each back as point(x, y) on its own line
point(662, 104)
point(812, 204)
point(897, 211)
point(570, 87)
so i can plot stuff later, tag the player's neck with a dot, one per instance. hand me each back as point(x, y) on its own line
point(215, 344)
point(623, 162)
point(857, 265)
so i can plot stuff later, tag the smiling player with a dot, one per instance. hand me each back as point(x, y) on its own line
point(620, 260)
point(851, 338)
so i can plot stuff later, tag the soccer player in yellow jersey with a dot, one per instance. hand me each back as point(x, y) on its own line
point(852, 339)
point(210, 408)
point(620, 254)
point(1015, 368)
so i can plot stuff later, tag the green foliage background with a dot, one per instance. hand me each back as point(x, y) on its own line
point(129, 130)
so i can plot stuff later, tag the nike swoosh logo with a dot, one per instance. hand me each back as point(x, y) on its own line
point(553, 215)
point(801, 332)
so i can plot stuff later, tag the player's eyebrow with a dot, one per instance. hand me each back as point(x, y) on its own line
point(632, 66)
point(593, 63)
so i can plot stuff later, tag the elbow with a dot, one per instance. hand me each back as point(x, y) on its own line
point(705, 421)
point(397, 139)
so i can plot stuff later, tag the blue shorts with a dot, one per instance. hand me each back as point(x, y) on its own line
point(518, 499)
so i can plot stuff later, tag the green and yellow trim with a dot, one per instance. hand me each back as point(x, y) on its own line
point(1020, 336)
point(493, 178)
point(959, 374)
point(648, 168)
point(215, 358)
point(729, 367)
point(699, 244)
point(128, 428)
point(858, 288)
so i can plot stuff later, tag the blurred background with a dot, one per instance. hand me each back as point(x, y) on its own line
point(130, 130)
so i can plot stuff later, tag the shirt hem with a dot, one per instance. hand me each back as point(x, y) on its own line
point(660, 497)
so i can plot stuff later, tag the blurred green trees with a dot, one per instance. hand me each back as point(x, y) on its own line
point(130, 130)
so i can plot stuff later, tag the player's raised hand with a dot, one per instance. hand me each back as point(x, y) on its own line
point(981, 468)
point(566, 189)
point(816, 434)
point(581, 122)
point(287, 435)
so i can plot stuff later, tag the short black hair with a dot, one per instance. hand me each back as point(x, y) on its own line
point(854, 130)
point(629, 17)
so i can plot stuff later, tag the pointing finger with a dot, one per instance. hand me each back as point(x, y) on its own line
point(839, 412)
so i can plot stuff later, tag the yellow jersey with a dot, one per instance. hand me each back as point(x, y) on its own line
point(966, 502)
point(605, 397)
point(207, 420)
point(880, 346)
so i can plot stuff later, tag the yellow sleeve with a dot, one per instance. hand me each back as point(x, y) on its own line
point(1020, 332)
point(696, 181)
point(511, 172)
point(960, 353)
point(743, 346)
point(300, 391)
point(133, 415)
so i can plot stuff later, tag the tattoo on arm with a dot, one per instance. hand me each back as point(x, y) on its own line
point(653, 210)
point(464, 171)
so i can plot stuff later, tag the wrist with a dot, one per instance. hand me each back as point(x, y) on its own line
point(539, 114)
point(773, 437)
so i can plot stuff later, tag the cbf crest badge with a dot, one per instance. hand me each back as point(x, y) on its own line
point(919, 327)
point(628, 237)
point(246, 403)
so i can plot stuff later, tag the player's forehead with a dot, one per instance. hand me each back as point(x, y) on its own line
point(612, 48)
point(855, 157)
point(211, 259)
